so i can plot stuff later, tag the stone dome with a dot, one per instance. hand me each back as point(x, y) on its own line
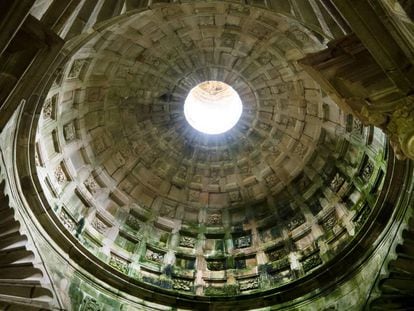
point(270, 203)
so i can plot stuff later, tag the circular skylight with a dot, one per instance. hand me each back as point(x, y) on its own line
point(213, 107)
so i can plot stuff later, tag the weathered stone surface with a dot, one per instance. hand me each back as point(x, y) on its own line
point(186, 241)
point(119, 263)
point(242, 242)
point(181, 284)
point(154, 256)
point(90, 304)
point(249, 284)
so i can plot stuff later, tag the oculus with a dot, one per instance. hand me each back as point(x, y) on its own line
point(213, 107)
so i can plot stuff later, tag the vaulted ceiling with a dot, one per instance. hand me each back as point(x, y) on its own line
point(289, 186)
point(112, 200)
